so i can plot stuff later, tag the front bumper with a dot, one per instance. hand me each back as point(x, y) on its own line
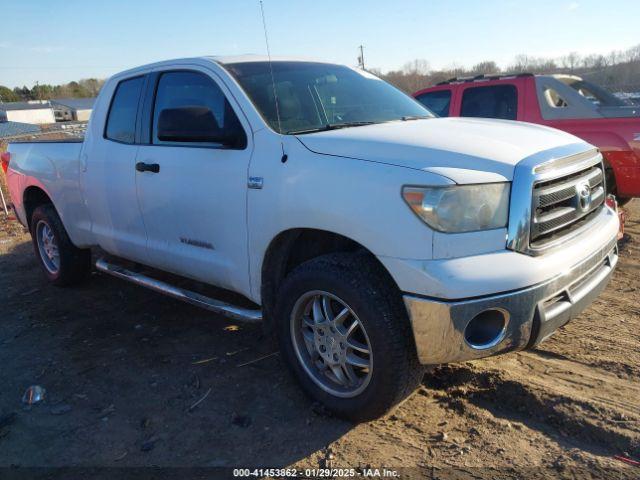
point(531, 314)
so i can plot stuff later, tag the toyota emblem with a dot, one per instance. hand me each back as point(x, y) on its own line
point(584, 196)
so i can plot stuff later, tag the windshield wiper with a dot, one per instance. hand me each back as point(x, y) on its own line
point(329, 126)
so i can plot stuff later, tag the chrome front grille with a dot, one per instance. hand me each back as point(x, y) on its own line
point(556, 195)
point(562, 204)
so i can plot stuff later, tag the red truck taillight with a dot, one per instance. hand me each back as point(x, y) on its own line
point(4, 159)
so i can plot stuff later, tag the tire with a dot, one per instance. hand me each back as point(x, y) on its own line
point(72, 265)
point(355, 282)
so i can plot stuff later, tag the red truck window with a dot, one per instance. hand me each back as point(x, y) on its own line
point(498, 101)
point(553, 98)
point(438, 102)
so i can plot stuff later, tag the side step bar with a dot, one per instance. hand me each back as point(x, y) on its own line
point(217, 306)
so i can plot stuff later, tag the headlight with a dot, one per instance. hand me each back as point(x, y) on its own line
point(460, 208)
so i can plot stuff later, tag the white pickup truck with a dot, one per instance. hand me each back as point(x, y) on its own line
point(371, 237)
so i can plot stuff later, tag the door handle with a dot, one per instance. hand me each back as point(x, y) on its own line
point(148, 167)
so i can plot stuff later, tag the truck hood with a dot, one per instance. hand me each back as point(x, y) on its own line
point(466, 150)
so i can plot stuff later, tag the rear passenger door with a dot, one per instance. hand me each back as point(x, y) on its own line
point(491, 101)
point(108, 176)
point(193, 197)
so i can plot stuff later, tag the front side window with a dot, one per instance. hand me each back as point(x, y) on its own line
point(499, 101)
point(319, 96)
point(190, 107)
point(121, 121)
point(438, 102)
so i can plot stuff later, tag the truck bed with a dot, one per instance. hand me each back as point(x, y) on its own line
point(53, 140)
point(51, 165)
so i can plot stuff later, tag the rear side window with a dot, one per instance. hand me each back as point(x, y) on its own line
point(438, 102)
point(554, 100)
point(187, 89)
point(499, 101)
point(121, 122)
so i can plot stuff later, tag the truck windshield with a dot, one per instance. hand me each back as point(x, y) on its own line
point(319, 96)
point(594, 93)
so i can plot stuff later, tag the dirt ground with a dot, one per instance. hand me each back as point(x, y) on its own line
point(134, 379)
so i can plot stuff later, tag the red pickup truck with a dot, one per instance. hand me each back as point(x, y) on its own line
point(565, 102)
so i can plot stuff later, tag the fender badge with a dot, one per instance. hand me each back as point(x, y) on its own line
point(196, 243)
point(255, 182)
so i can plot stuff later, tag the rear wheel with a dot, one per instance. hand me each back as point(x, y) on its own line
point(344, 332)
point(62, 262)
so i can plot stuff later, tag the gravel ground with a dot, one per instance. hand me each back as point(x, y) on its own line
point(134, 379)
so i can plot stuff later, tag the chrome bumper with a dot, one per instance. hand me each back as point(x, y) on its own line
point(531, 314)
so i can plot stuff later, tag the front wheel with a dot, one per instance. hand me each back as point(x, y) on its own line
point(344, 331)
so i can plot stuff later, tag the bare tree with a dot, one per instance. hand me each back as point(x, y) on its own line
point(521, 64)
point(634, 53)
point(487, 67)
point(571, 60)
point(617, 70)
point(91, 85)
point(417, 67)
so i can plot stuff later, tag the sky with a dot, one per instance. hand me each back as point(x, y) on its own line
point(49, 41)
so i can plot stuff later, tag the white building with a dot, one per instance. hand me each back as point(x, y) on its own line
point(76, 109)
point(27, 112)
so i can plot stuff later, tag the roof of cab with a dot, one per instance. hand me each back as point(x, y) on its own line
point(227, 60)
point(221, 60)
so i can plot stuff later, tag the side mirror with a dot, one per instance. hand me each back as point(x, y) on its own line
point(190, 124)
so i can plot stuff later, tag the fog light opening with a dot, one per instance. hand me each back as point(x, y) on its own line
point(487, 329)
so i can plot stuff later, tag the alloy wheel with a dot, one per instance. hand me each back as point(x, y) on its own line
point(331, 344)
point(48, 247)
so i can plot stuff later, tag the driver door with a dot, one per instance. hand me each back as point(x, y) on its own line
point(193, 192)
